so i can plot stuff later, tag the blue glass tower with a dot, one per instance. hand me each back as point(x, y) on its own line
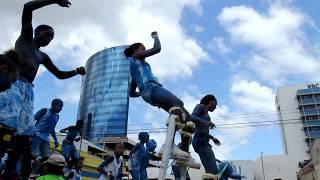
point(104, 100)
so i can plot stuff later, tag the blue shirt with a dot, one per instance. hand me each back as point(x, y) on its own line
point(46, 123)
point(141, 73)
point(143, 78)
point(198, 115)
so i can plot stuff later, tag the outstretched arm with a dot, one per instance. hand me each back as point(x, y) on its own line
point(65, 130)
point(156, 48)
point(61, 74)
point(27, 30)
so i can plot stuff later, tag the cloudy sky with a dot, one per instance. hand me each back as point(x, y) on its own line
point(238, 50)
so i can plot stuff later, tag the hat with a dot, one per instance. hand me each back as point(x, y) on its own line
point(56, 159)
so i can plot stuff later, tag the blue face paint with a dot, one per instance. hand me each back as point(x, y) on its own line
point(5, 82)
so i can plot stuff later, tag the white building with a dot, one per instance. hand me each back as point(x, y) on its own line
point(298, 108)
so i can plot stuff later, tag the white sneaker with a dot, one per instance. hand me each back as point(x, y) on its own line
point(191, 163)
point(176, 154)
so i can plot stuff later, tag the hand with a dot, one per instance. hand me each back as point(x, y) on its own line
point(77, 139)
point(81, 70)
point(63, 3)
point(56, 144)
point(211, 125)
point(216, 141)
point(154, 34)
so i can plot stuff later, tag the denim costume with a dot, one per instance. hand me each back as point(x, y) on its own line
point(46, 123)
point(141, 73)
point(200, 141)
point(228, 172)
point(16, 107)
point(69, 150)
point(139, 159)
point(150, 88)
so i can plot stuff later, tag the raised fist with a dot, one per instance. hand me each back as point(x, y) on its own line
point(154, 34)
point(81, 70)
point(63, 3)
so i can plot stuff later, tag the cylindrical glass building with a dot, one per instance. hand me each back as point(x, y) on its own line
point(104, 100)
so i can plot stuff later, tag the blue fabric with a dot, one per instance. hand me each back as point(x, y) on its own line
point(228, 173)
point(151, 145)
point(141, 73)
point(165, 99)
point(40, 147)
point(139, 162)
point(207, 158)
point(198, 115)
point(69, 150)
point(16, 107)
point(46, 124)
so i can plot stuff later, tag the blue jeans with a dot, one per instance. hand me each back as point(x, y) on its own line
point(164, 99)
point(40, 147)
point(207, 158)
point(69, 150)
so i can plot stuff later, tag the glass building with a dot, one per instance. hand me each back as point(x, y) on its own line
point(104, 100)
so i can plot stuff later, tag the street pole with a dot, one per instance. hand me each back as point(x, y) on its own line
point(264, 177)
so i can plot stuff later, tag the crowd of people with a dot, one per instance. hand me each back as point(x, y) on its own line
point(24, 136)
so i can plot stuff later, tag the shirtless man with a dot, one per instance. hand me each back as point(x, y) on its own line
point(17, 112)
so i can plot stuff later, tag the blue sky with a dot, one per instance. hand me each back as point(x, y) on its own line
point(240, 51)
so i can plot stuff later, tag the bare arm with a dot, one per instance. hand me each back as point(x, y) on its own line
point(133, 87)
point(29, 7)
point(156, 48)
point(61, 74)
point(65, 130)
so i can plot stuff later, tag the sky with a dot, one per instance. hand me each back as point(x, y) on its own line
point(238, 50)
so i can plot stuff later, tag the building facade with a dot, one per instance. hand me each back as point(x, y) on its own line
point(104, 97)
point(298, 108)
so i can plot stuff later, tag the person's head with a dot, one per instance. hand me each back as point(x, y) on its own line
point(54, 165)
point(210, 101)
point(79, 123)
point(56, 105)
point(118, 149)
point(133, 49)
point(9, 69)
point(143, 137)
point(43, 35)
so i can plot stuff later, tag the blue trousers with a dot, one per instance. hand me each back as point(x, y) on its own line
point(207, 158)
point(69, 150)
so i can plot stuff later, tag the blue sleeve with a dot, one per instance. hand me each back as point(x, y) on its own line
point(40, 113)
point(198, 110)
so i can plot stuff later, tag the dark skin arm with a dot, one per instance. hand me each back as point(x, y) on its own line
point(198, 111)
point(105, 163)
point(27, 30)
point(61, 74)
point(65, 130)
point(156, 48)
point(133, 87)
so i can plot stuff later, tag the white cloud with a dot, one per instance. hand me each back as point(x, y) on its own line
point(276, 40)
point(251, 96)
point(218, 45)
